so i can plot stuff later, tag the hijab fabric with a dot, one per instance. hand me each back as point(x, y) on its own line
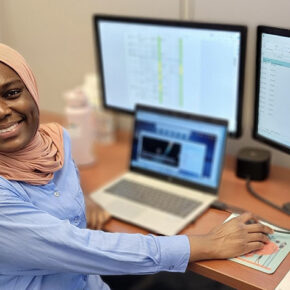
point(44, 155)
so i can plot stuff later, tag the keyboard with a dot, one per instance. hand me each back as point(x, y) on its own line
point(153, 197)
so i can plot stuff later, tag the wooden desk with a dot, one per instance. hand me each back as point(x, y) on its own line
point(112, 161)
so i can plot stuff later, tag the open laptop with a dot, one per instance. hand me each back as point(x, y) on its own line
point(174, 174)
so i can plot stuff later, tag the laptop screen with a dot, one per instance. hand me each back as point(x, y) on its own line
point(179, 147)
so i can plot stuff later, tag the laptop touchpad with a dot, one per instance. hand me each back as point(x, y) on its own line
point(120, 208)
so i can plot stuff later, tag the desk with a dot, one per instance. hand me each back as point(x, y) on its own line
point(112, 160)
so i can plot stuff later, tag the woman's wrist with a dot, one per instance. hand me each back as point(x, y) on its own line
point(200, 248)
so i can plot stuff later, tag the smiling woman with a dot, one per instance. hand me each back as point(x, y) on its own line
point(18, 112)
point(44, 242)
point(37, 151)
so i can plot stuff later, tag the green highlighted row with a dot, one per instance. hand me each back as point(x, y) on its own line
point(160, 71)
point(277, 62)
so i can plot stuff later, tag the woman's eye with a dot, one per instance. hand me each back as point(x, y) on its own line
point(13, 93)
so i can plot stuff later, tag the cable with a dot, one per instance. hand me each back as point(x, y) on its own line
point(285, 209)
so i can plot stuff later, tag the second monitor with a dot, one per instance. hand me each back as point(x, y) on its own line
point(187, 66)
point(272, 104)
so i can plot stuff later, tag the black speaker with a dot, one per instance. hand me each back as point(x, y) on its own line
point(253, 163)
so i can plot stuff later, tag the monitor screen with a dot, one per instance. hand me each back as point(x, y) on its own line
point(272, 104)
point(184, 147)
point(192, 67)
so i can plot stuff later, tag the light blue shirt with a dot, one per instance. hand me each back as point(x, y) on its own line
point(44, 243)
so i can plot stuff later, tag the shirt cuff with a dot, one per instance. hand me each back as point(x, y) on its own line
point(175, 252)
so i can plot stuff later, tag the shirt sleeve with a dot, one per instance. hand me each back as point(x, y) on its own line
point(32, 242)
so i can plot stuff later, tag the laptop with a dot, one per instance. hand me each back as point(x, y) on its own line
point(174, 170)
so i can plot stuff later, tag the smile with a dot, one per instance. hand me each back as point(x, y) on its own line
point(11, 130)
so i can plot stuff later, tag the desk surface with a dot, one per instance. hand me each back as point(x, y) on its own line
point(112, 160)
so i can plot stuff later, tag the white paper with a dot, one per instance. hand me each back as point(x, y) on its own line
point(284, 283)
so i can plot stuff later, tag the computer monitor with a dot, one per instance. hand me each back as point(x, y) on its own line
point(272, 100)
point(186, 66)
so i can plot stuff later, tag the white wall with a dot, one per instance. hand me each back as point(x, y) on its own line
point(56, 38)
point(1, 20)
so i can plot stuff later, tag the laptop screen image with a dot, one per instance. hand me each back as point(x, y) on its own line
point(180, 147)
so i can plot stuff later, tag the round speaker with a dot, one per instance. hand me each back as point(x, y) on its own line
point(253, 163)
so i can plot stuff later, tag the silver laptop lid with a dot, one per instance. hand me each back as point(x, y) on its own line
point(178, 147)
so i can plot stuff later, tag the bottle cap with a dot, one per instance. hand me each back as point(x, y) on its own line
point(76, 98)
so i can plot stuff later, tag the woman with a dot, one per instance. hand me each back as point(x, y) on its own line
point(44, 242)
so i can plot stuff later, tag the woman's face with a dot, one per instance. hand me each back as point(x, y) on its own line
point(19, 115)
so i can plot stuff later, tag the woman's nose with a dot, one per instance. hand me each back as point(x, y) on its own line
point(5, 110)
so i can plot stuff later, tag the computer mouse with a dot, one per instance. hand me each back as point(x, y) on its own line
point(251, 221)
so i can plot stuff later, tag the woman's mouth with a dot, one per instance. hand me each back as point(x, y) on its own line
point(11, 130)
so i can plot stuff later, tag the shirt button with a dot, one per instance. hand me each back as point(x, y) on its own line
point(76, 219)
point(56, 194)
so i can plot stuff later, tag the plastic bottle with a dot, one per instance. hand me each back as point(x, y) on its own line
point(104, 121)
point(79, 116)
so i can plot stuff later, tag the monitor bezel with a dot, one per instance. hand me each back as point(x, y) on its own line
point(189, 184)
point(275, 31)
point(242, 29)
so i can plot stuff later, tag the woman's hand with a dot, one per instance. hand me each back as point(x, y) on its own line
point(231, 239)
point(95, 214)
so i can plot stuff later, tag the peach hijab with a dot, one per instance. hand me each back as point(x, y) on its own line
point(37, 161)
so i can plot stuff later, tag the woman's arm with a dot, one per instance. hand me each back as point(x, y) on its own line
point(33, 242)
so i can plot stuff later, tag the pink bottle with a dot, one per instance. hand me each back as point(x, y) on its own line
point(79, 116)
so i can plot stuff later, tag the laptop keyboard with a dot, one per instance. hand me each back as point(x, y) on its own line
point(154, 197)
